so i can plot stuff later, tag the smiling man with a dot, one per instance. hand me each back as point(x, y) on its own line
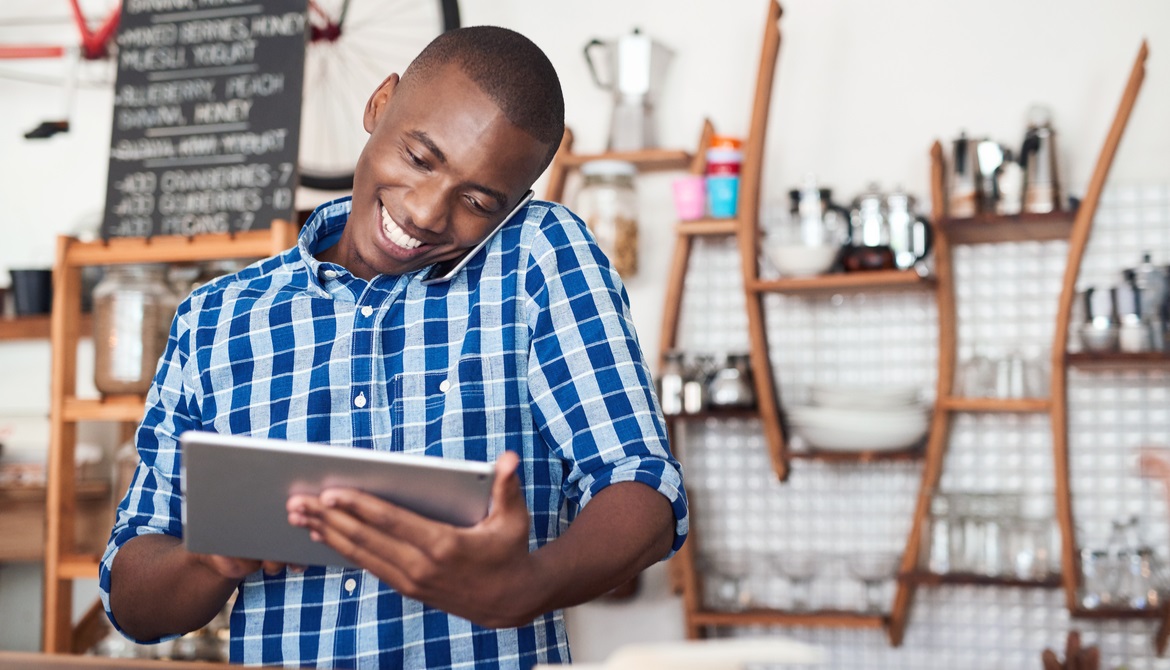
point(369, 335)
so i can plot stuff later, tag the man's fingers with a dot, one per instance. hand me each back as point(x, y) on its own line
point(506, 495)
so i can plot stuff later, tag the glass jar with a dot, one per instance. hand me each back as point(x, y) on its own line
point(731, 387)
point(133, 308)
point(609, 206)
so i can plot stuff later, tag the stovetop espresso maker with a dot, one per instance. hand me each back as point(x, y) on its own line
point(633, 68)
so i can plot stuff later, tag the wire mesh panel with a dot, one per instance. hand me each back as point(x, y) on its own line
point(751, 531)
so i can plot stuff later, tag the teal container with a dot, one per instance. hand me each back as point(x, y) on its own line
point(722, 195)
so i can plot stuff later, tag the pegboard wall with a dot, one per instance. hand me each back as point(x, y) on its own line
point(746, 522)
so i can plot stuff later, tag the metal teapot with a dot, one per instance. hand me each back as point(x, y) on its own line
point(634, 68)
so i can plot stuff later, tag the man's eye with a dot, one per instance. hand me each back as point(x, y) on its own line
point(415, 159)
point(477, 206)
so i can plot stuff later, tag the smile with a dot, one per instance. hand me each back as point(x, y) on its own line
point(396, 234)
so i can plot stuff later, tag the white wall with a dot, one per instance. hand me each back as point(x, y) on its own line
point(862, 90)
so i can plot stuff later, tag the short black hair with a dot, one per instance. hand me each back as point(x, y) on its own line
point(510, 69)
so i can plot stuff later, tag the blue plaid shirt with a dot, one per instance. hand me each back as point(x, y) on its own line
point(531, 348)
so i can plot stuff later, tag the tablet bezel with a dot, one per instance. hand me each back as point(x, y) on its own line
point(235, 491)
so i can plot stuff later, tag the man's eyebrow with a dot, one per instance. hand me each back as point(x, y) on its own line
point(424, 139)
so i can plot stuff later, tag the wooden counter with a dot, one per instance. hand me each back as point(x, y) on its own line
point(27, 661)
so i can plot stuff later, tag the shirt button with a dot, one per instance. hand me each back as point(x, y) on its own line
point(360, 400)
point(367, 310)
point(444, 385)
point(350, 585)
point(332, 274)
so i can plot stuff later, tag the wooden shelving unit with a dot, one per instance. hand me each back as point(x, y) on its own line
point(1117, 359)
point(989, 229)
point(985, 229)
point(963, 579)
point(1009, 405)
point(845, 281)
point(36, 327)
point(65, 561)
point(813, 619)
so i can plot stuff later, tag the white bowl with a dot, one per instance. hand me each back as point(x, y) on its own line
point(849, 430)
point(863, 396)
point(798, 260)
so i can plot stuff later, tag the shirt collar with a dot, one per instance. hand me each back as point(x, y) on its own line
point(321, 231)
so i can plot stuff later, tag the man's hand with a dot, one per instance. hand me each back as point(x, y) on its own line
point(238, 568)
point(484, 573)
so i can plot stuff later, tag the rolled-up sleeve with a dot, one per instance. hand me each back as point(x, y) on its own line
point(153, 503)
point(592, 393)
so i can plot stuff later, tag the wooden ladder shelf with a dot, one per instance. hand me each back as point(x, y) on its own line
point(63, 562)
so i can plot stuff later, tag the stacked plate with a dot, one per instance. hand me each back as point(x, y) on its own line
point(855, 418)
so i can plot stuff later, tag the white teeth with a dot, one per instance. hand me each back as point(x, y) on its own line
point(397, 235)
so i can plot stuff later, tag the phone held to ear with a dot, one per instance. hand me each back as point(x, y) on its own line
point(446, 270)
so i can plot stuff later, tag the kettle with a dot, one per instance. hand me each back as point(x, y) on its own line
point(910, 235)
point(634, 68)
point(818, 220)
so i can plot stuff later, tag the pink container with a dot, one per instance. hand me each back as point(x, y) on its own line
point(690, 197)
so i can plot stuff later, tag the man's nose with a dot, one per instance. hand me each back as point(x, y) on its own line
point(427, 209)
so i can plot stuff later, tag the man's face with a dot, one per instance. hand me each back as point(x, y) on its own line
point(443, 166)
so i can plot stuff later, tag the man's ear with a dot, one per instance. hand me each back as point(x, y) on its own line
point(377, 102)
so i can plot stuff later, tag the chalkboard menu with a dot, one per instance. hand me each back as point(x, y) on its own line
point(207, 112)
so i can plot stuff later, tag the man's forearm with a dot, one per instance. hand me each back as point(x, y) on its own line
point(158, 588)
point(626, 528)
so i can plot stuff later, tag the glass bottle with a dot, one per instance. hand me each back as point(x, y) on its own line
point(670, 384)
point(608, 204)
point(133, 308)
point(938, 557)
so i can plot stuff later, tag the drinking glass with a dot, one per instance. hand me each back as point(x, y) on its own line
point(799, 568)
point(873, 569)
point(725, 577)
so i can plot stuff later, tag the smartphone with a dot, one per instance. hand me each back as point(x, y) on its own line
point(446, 270)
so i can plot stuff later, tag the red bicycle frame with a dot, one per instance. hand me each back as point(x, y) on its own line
point(95, 44)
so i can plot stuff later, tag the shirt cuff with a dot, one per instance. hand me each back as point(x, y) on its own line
point(660, 475)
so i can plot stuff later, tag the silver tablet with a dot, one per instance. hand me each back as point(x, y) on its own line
point(235, 490)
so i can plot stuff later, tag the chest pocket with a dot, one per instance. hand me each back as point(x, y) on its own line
point(460, 413)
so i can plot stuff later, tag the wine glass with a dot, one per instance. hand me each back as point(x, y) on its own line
point(799, 568)
point(726, 577)
point(872, 569)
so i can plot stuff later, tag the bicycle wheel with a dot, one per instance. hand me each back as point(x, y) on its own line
point(353, 46)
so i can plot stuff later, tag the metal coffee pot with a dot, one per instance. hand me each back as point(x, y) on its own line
point(869, 234)
point(1038, 156)
point(634, 67)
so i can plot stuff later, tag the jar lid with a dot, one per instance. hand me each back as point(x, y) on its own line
point(609, 167)
point(725, 142)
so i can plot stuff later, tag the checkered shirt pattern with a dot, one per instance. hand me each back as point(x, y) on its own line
point(538, 351)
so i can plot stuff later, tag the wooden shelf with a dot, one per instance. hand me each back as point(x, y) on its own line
point(915, 453)
point(705, 227)
point(964, 579)
point(36, 327)
point(127, 408)
point(877, 279)
point(1011, 405)
point(644, 159)
point(814, 619)
point(988, 229)
point(22, 519)
point(1117, 359)
point(177, 248)
point(1115, 613)
point(78, 567)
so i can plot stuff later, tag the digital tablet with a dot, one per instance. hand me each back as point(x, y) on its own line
point(235, 490)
